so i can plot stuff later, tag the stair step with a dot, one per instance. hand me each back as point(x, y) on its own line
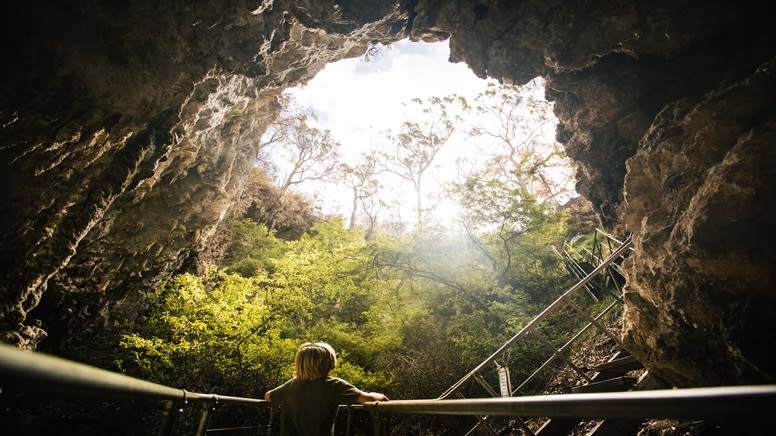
point(623, 364)
point(557, 427)
point(647, 382)
point(615, 427)
point(610, 385)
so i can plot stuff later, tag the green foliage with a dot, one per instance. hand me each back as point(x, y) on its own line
point(516, 233)
point(454, 308)
point(253, 248)
point(233, 333)
point(408, 315)
point(215, 331)
point(365, 380)
point(326, 268)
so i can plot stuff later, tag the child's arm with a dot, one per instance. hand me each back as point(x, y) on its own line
point(367, 397)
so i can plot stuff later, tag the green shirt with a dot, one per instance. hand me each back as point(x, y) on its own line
point(308, 408)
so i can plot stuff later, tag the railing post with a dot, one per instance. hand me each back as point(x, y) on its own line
point(270, 417)
point(204, 420)
point(377, 428)
point(169, 414)
point(350, 413)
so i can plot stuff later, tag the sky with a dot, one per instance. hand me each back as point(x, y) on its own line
point(359, 100)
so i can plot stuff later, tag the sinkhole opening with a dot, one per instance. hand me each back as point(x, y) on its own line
point(401, 139)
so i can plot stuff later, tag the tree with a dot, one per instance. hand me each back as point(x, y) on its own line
point(417, 144)
point(234, 334)
point(362, 182)
point(519, 126)
point(451, 312)
point(252, 249)
point(303, 153)
point(371, 206)
point(216, 331)
point(503, 220)
point(312, 154)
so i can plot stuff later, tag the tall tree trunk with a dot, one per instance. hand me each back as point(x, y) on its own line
point(353, 209)
point(419, 204)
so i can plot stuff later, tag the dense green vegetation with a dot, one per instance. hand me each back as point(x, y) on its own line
point(409, 313)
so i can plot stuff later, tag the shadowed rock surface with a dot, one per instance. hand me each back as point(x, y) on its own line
point(128, 131)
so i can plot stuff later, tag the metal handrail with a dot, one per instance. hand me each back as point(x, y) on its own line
point(44, 373)
point(713, 403)
point(38, 371)
point(564, 347)
point(611, 238)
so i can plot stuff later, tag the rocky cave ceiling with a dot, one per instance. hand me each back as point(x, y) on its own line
point(128, 127)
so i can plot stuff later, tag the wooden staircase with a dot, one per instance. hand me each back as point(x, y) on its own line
point(622, 372)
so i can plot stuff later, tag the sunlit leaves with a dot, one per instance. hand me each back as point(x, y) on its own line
point(253, 247)
point(210, 330)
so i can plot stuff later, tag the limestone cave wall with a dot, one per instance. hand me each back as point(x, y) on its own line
point(128, 129)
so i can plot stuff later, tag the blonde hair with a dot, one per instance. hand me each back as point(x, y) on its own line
point(314, 361)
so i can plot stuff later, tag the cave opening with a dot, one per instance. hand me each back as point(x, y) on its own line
point(371, 104)
point(119, 168)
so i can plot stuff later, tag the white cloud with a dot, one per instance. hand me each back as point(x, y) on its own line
point(358, 100)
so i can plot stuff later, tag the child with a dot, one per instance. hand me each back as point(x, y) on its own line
point(308, 402)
